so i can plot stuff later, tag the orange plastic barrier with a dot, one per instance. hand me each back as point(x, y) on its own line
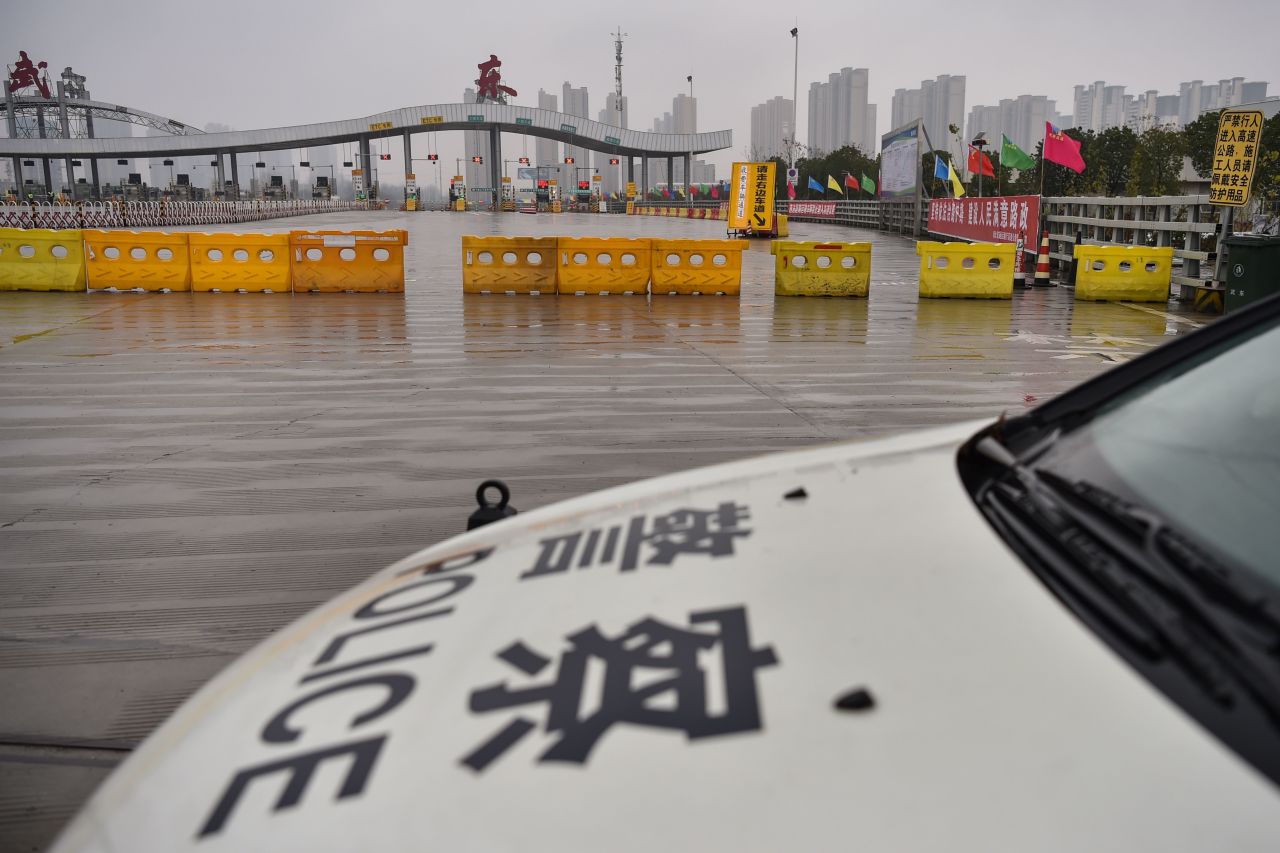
point(348, 261)
point(253, 263)
point(137, 260)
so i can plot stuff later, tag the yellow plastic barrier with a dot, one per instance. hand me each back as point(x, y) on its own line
point(137, 260)
point(783, 227)
point(821, 269)
point(348, 261)
point(1124, 273)
point(973, 270)
point(595, 265)
point(508, 264)
point(39, 259)
point(253, 263)
point(698, 266)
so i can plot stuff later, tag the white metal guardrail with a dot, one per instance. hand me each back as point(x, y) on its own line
point(150, 214)
point(1182, 222)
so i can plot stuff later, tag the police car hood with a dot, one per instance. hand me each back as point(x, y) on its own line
point(658, 666)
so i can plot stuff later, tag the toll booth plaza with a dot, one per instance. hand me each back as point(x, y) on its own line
point(211, 465)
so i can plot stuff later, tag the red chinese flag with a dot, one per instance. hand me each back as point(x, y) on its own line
point(1062, 149)
point(987, 168)
point(851, 182)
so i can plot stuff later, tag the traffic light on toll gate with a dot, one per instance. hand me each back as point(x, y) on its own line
point(568, 161)
point(477, 159)
point(613, 161)
point(433, 156)
point(524, 161)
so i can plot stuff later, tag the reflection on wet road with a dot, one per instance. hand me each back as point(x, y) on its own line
point(186, 473)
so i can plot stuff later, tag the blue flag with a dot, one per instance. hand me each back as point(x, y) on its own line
point(814, 185)
point(940, 169)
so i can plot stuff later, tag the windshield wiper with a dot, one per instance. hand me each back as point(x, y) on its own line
point(1178, 554)
point(1107, 556)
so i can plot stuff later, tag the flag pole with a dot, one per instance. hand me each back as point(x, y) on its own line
point(1000, 169)
point(1044, 161)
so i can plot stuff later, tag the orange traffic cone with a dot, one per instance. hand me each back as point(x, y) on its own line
point(1042, 262)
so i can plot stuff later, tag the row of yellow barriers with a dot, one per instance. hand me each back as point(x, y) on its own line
point(156, 261)
point(985, 271)
point(601, 265)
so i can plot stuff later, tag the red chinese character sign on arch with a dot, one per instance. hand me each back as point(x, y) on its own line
point(489, 83)
point(27, 73)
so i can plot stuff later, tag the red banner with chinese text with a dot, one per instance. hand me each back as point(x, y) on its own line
point(826, 209)
point(988, 220)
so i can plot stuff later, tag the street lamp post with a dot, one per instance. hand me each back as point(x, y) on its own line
point(795, 89)
point(979, 142)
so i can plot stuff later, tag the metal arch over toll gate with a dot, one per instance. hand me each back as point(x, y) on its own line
point(98, 109)
point(493, 117)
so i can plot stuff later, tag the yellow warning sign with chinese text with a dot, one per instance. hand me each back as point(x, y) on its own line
point(751, 196)
point(1235, 157)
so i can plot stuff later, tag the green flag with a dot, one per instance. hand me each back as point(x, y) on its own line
point(1014, 157)
point(868, 185)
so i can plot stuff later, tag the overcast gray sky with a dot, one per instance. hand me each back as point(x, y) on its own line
point(280, 62)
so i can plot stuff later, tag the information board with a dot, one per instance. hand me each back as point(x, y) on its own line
point(900, 162)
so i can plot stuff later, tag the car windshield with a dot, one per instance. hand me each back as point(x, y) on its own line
point(1200, 445)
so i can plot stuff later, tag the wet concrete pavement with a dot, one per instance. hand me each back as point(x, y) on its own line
point(184, 474)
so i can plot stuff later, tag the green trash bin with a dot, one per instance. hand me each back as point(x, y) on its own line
point(1253, 269)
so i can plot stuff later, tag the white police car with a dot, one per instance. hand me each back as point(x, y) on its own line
point(1058, 633)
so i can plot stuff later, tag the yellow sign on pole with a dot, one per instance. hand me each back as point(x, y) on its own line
point(751, 196)
point(1235, 157)
point(631, 189)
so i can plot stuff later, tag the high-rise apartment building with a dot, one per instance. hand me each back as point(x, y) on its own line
point(684, 114)
point(1022, 119)
point(683, 118)
point(613, 178)
point(939, 103)
point(475, 144)
point(547, 151)
point(1099, 106)
point(574, 102)
point(770, 128)
point(839, 114)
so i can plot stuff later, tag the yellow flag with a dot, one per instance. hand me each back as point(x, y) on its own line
point(832, 185)
point(955, 181)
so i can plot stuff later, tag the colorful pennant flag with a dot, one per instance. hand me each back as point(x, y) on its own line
point(980, 161)
point(1014, 157)
point(831, 184)
point(1062, 149)
point(868, 185)
point(942, 169)
point(851, 182)
point(814, 185)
